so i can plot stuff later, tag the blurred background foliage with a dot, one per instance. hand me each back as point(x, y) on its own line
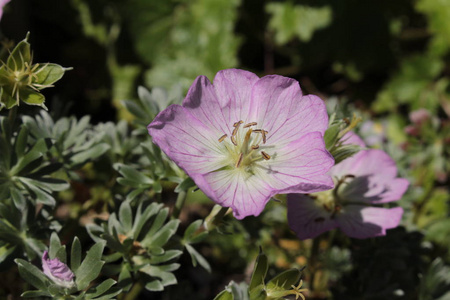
point(384, 59)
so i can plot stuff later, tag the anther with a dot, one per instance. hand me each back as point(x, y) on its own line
point(238, 163)
point(264, 136)
point(237, 123)
point(222, 138)
point(258, 130)
point(250, 124)
point(265, 155)
point(254, 147)
point(233, 140)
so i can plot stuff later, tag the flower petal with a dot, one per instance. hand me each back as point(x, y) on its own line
point(202, 102)
point(189, 143)
point(246, 195)
point(307, 219)
point(233, 88)
point(281, 109)
point(299, 167)
point(363, 222)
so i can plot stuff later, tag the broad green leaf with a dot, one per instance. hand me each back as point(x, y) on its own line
point(47, 74)
point(32, 97)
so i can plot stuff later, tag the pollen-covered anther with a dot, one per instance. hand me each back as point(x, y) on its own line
point(254, 147)
point(222, 138)
point(239, 161)
point(265, 155)
point(237, 123)
point(250, 124)
point(233, 140)
point(264, 136)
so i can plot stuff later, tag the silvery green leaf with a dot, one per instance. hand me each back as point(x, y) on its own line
point(90, 267)
point(32, 275)
point(259, 271)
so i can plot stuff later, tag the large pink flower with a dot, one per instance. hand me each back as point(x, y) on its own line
point(362, 181)
point(244, 139)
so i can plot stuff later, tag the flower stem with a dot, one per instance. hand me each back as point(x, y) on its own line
point(182, 195)
point(313, 261)
point(135, 291)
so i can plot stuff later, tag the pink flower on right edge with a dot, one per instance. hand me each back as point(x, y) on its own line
point(362, 182)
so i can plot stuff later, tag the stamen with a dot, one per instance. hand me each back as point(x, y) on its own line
point(265, 155)
point(233, 140)
point(250, 124)
point(258, 130)
point(254, 147)
point(238, 163)
point(222, 138)
point(236, 127)
point(264, 136)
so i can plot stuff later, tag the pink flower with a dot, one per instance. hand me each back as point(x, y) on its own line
point(57, 271)
point(244, 139)
point(419, 116)
point(363, 181)
point(2, 4)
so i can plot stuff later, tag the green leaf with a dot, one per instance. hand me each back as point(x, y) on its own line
point(154, 286)
point(32, 274)
point(224, 295)
point(100, 289)
point(47, 74)
point(168, 255)
point(331, 135)
point(90, 154)
point(21, 142)
point(185, 185)
point(35, 294)
point(160, 238)
point(19, 200)
point(197, 257)
point(20, 55)
point(133, 175)
point(55, 245)
point(32, 97)
point(259, 271)
point(192, 228)
point(284, 280)
point(75, 255)
point(126, 216)
point(90, 267)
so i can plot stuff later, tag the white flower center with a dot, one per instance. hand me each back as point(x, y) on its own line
point(245, 145)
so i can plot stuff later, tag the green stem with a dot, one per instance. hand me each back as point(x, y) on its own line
point(313, 259)
point(135, 291)
point(182, 195)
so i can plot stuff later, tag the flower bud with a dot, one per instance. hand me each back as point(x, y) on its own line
point(57, 271)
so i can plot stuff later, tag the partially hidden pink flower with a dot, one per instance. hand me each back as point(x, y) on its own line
point(2, 4)
point(419, 116)
point(243, 139)
point(361, 183)
point(57, 271)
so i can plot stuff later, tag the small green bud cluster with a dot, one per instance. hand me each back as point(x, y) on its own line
point(20, 79)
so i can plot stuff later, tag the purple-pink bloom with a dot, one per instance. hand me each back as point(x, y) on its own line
point(243, 139)
point(419, 116)
point(361, 182)
point(2, 4)
point(57, 271)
